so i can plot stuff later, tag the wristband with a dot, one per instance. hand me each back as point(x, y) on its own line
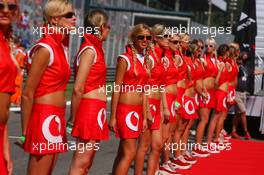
point(177, 104)
point(22, 138)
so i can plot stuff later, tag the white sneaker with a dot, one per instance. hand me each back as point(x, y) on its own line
point(180, 163)
point(167, 169)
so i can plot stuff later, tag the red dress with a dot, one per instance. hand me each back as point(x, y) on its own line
point(91, 119)
point(46, 127)
point(129, 117)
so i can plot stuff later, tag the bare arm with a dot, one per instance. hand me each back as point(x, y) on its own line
point(40, 61)
point(220, 70)
point(120, 72)
point(86, 61)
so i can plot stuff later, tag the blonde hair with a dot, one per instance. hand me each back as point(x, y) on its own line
point(55, 8)
point(212, 41)
point(133, 34)
point(96, 18)
point(158, 29)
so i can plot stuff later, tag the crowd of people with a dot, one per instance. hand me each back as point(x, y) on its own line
point(166, 82)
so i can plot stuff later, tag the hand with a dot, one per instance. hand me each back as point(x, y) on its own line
point(166, 114)
point(9, 163)
point(145, 125)
point(221, 66)
point(149, 119)
point(112, 124)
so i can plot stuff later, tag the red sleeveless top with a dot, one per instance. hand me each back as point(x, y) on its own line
point(157, 71)
point(8, 69)
point(224, 77)
point(199, 70)
point(211, 69)
point(57, 73)
point(234, 72)
point(131, 80)
point(97, 74)
point(182, 67)
point(171, 71)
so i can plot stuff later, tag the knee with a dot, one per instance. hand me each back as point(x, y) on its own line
point(130, 153)
point(157, 146)
point(143, 148)
point(204, 120)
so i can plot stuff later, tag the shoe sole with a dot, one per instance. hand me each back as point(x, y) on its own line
point(175, 166)
point(165, 172)
point(200, 155)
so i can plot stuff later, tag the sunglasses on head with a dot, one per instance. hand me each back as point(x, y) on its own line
point(142, 37)
point(10, 6)
point(68, 15)
point(211, 46)
point(175, 42)
point(165, 36)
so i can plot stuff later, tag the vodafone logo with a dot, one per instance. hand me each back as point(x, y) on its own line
point(189, 107)
point(154, 109)
point(101, 118)
point(196, 99)
point(224, 102)
point(173, 109)
point(166, 62)
point(232, 95)
point(46, 129)
point(130, 125)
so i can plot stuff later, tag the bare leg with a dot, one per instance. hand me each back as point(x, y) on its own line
point(204, 117)
point(83, 158)
point(128, 155)
point(143, 147)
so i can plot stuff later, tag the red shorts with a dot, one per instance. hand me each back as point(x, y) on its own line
point(231, 95)
point(91, 120)
point(220, 104)
point(171, 99)
point(154, 105)
point(129, 121)
point(210, 101)
point(180, 92)
point(46, 130)
point(3, 168)
point(197, 101)
point(188, 108)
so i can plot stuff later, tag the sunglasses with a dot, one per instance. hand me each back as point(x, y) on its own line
point(11, 7)
point(68, 15)
point(175, 42)
point(202, 47)
point(142, 37)
point(211, 46)
point(163, 36)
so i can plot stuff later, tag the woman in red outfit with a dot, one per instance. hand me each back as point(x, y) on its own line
point(182, 158)
point(153, 135)
point(221, 84)
point(43, 99)
point(89, 97)
point(8, 72)
point(230, 62)
point(129, 100)
point(207, 102)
